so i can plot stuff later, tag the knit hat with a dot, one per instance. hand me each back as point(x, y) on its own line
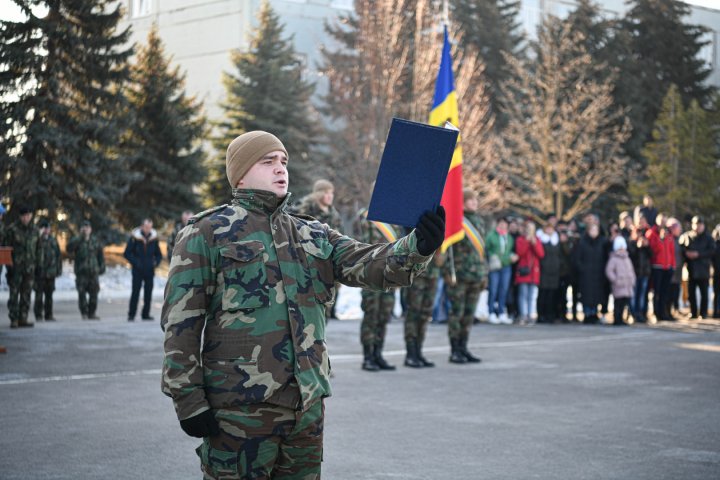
point(86, 223)
point(24, 210)
point(619, 243)
point(43, 223)
point(322, 185)
point(246, 150)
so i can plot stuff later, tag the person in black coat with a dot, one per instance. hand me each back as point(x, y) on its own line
point(698, 249)
point(143, 253)
point(549, 275)
point(641, 256)
point(590, 262)
point(716, 272)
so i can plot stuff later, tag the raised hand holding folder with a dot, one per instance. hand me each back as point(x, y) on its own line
point(412, 173)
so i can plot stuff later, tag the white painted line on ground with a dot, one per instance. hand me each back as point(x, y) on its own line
point(84, 376)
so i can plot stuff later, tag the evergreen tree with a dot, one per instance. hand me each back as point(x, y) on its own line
point(682, 173)
point(491, 26)
point(266, 92)
point(62, 109)
point(163, 141)
point(663, 51)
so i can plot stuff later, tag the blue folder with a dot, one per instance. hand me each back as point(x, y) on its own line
point(412, 173)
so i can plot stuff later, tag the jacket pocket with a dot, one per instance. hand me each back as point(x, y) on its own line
point(232, 382)
point(244, 276)
point(318, 253)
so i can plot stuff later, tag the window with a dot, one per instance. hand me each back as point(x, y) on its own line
point(707, 52)
point(141, 8)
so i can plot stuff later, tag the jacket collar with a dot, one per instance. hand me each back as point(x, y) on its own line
point(259, 200)
point(138, 235)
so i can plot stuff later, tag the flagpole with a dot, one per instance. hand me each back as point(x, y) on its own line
point(451, 259)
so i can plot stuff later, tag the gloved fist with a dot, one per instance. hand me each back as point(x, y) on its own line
point(430, 231)
point(202, 425)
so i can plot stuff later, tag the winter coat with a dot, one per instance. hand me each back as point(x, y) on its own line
point(698, 268)
point(550, 263)
point(143, 252)
point(716, 260)
point(619, 270)
point(244, 310)
point(493, 247)
point(23, 239)
point(641, 257)
point(590, 262)
point(49, 262)
point(679, 260)
point(529, 256)
point(662, 250)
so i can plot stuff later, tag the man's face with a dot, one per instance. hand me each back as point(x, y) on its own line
point(648, 201)
point(698, 227)
point(86, 230)
point(269, 173)
point(675, 229)
point(186, 217)
point(471, 204)
point(147, 227)
point(593, 231)
point(627, 223)
point(25, 218)
point(327, 197)
point(643, 223)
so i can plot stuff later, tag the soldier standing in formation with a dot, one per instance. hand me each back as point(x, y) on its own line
point(419, 299)
point(49, 267)
point(22, 236)
point(319, 205)
point(377, 306)
point(470, 278)
point(89, 265)
point(2, 230)
point(178, 226)
point(244, 317)
point(143, 253)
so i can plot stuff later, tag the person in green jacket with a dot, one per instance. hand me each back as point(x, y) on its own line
point(49, 267)
point(499, 248)
point(246, 361)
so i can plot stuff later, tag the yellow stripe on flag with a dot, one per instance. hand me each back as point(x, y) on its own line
point(474, 236)
point(386, 230)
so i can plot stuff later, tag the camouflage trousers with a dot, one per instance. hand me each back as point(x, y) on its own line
point(21, 286)
point(263, 442)
point(377, 308)
point(463, 297)
point(419, 300)
point(44, 288)
point(88, 287)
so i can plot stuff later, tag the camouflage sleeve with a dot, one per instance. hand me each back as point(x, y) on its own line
point(378, 267)
point(190, 286)
point(58, 258)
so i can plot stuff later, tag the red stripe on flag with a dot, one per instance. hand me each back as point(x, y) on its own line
point(452, 200)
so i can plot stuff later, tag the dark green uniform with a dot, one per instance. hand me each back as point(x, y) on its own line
point(173, 238)
point(377, 306)
point(89, 265)
point(23, 239)
point(471, 275)
point(309, 206)
point(244, 321)
point(49, 266)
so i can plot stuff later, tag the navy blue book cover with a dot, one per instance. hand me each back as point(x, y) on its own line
point(412, 173)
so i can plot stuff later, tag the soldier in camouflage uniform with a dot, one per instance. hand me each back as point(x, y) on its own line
point(89, 265)
point(178, 226)
point(22, 236)
point(246, 362)
point(419, 298)
point(319, 205)
point(48, 267)
point(464, 290)
point(377, 306)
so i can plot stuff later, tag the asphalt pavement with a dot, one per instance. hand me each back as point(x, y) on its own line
point(81, 400)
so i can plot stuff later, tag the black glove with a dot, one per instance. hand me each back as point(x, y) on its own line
point(202, 425)
point(430, 231)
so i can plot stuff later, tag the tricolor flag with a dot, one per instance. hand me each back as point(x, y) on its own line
point(445, 109)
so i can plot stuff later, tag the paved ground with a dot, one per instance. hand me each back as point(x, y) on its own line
point(81, 400)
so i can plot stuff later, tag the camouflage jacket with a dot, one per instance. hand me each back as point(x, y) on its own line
point(308, 206)
point(88, 256)
point(469, 265)
point(23, 239)
point(251, 281)
point(49, 262)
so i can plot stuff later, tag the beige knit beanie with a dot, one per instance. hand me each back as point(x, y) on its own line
point(246, 150)
point(322, 185)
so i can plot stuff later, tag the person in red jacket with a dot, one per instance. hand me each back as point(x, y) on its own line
point(662, 258)
point(527, 274)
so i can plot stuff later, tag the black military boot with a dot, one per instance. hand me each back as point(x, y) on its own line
point(379, 360)
point(423, 360)
point(369, 360)
point(411, 358)
point(455, 355)
point(468, 356)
